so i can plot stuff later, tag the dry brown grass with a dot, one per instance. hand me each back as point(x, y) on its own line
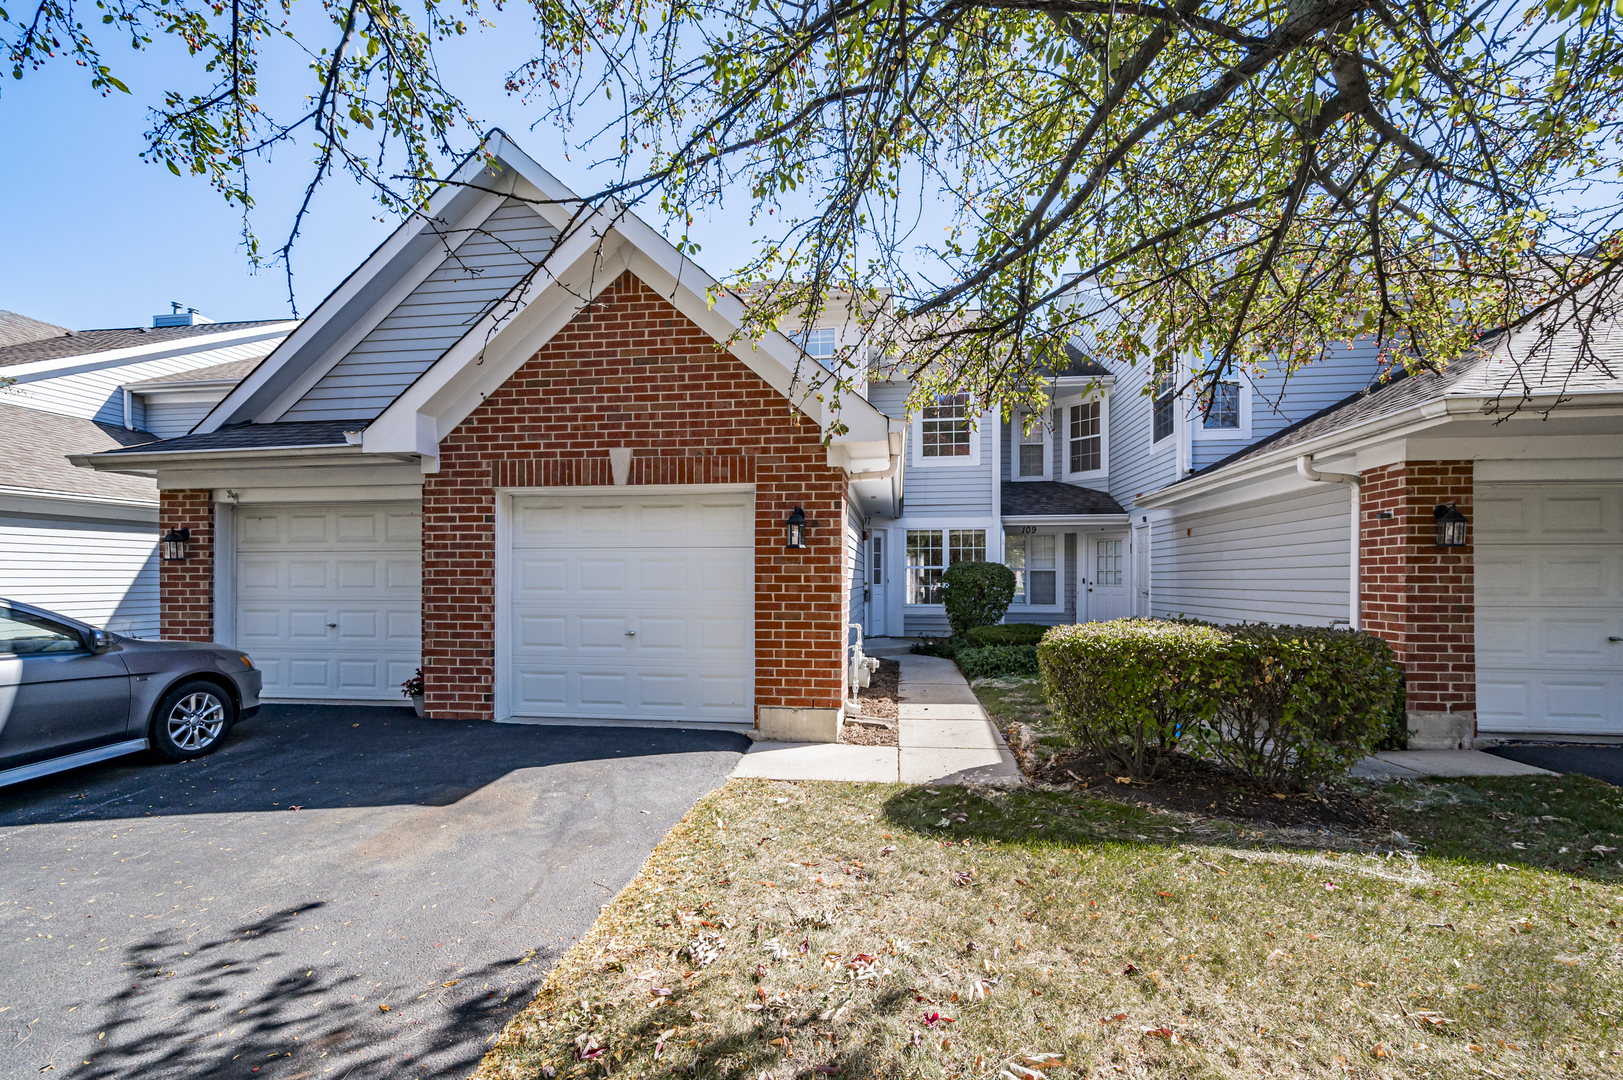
point(1049, 923)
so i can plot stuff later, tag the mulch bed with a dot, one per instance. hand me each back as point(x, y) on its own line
point(878, 703)
point(1189, 786)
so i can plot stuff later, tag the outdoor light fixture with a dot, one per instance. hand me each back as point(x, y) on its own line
point(794, 531)
point(1450, 525)
point(173, 546)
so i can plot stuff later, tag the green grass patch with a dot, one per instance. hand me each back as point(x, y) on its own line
point(804, 930)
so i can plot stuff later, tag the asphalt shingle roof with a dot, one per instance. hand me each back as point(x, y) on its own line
point(305, 433)
point(84, 342)
point(37, 445)
point(235, 369)
point(16, 329)
point(1050, 498)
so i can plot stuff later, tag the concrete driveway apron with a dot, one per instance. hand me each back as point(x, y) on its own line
point(337, 892)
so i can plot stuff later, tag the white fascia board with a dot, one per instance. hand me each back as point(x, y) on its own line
point(452, 238)
point(44, 501)
point(184, 393)
point(335, 302)
point(170, 460)
point(477, 365)
point(136, 354)
point(1066, 519)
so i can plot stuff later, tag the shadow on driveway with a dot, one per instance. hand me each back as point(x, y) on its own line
point(1604, 763)
point(337, 892)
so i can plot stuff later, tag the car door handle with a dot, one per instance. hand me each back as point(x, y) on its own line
point(631, 633)
point(1615, 639)
point(332, 626)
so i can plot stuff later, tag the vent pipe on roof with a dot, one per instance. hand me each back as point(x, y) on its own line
point(180, 315)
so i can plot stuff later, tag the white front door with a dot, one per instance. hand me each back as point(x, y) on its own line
point(1549, 608)
point(329, 598)
point(877, 583)
point(633, 606)
point(1139, 578)
point(1104, 578)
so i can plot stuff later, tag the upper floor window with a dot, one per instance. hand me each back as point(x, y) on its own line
point(1031, 448)
point(931, 551)
point(1085, 438)
point(822, 343)
point(945, 430)
point(1165, 408)
point(1224, 408)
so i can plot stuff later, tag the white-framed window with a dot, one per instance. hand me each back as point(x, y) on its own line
point(1032, 450)
point(1034, 558)
point(822, 343)
point(1225, 411)
point(931, 551)
point(1164, 411)
point(945, 432)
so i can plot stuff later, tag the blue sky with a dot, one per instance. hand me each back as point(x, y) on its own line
point(96, 238)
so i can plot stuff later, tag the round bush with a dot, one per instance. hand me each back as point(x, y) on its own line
point(976, 594)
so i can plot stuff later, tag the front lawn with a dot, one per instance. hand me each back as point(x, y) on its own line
point(805, 930)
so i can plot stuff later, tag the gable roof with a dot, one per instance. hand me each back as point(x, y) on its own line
point(16, 329)
point(85, 342)
point(37, 445)
point(500, 260)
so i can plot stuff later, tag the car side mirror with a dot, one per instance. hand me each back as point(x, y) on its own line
point(100, 641)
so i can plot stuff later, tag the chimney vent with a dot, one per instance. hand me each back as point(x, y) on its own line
point(181, 315)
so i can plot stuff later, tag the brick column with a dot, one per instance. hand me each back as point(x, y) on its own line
point(1421, 598)
point(186, 589)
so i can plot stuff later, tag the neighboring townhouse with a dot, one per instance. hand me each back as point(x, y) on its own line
point(526, 453)
point(74, 541)
point(1334, 519)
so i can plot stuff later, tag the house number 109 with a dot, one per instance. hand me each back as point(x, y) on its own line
point(1028, 530)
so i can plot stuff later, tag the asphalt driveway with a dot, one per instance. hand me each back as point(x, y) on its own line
point(1603, 762)
point(337, 892)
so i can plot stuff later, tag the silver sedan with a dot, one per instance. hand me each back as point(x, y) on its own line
point(71, 694)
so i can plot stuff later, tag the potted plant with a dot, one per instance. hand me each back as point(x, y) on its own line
point(413, 688)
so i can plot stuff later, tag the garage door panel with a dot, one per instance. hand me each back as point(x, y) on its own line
point(329, 599)
point(1549, 596)
point(675, 571)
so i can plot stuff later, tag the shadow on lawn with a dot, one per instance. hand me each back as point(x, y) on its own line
point(1565, 824)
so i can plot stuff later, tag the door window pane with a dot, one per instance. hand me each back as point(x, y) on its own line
point(1086, 441)
point(944, 427)
point(878, 560)
point(26, 635)
point(1014, 557)
point(1107, 562)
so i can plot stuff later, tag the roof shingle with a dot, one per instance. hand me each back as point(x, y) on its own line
point(85, 342)
point(37, 445)
point(300, 435)
point(1050, 498)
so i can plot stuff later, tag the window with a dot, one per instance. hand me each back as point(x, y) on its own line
point(1166, 398)
point(878, 576)
point(1031, 448)
point(821, 343)
point(28, 635)
point(931, 551)
point(1224, 411)
point(1107, 562)
point(1086, 442)
point(944, 430)
point(1036, 574)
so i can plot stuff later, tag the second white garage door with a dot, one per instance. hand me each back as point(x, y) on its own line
point(1549, 608)
point(329, 599)
point(638, 607)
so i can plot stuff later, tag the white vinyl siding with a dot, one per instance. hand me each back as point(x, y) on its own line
point(1137, 465)
point(102, 573)
point(99, 394)
point(436, 315)
point(1285, 560)
point(171, 419)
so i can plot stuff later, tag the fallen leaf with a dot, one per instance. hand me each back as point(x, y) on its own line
point(1129, 970)
point(1118, 1018)
point(385, 1008)
point(1160, 1033)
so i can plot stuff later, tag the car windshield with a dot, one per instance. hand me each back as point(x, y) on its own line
point(28, 635)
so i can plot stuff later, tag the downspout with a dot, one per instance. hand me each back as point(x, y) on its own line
point(1304, 466)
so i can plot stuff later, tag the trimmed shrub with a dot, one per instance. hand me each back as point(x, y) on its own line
point(1129, 688)
point(997, 661)
point(976, 594)
point(1288, 706)
point(1006, 634)
point(944, 647)
point(1296, 705)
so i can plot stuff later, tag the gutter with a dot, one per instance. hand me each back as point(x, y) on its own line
point(893, 445)
point(1304, 466)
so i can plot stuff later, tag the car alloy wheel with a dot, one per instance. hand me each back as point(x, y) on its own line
point(195, 721)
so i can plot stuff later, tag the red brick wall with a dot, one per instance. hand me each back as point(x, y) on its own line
point(1416, 595)
point(186, 589)
point(631, 370)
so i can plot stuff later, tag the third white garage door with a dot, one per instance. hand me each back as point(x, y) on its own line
point(635, 606)
point(1549, 608)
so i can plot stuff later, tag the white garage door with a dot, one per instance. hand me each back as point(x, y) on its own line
point(1549, 608)
point(633, 607)
point(329, 599)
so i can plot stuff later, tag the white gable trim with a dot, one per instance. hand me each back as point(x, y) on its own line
point(135, 354)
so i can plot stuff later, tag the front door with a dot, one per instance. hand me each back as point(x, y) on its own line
point(56, 696)
point(876, 585)
point(1104, 570)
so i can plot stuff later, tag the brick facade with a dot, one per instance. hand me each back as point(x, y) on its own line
point(186, 589)
point(632, 371)
point(1417, 596)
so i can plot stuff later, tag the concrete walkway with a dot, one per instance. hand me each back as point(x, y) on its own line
point(1400, 764)
point(945, 737)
